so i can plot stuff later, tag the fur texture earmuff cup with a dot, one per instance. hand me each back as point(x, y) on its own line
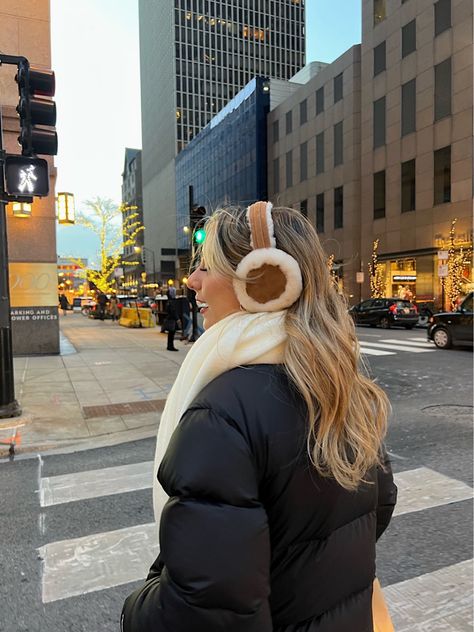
point(271, 261)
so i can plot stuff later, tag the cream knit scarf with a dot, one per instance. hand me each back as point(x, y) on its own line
point(239, 339)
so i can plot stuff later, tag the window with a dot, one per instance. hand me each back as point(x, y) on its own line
point(338, 207)
point(320, 213)
point(379, 122)
point(338, 157)
point(408, 186)
point(289, 169)
point(303, 112)
point(320, 100)
point(442, 11)
point(442, 92)
point(442, 175)
point(379, 58)
point(304, 207)
point(379, 194)
point(276, 131)
point(409, 107)
point(320, 153)
point(276, 175)
point(167, 267)
point(409, 38)
point(338, 88)
point(303, 161)
point(289, 122)
point(380, 11)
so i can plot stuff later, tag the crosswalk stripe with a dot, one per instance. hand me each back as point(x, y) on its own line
point(397, 347)
point(412, 343)
point(424, 488)
point(444, 597)
point(55, 490)
point(103, 560)
point(376, 352)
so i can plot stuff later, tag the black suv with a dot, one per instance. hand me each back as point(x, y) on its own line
point(385, 312)
point(453, 328)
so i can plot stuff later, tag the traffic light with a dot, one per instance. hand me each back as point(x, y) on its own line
point(36, 110)
point(197, 216)
point(199, 236)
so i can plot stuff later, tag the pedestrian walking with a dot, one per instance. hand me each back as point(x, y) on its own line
point(114, 309)
point(272, 483)
point(101, 305)
point(184, 313)
point(64, 303)
point(171, 321)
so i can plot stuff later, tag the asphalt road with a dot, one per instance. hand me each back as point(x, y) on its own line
point(430, 440)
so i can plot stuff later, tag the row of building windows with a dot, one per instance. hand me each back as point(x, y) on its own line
point(442, 104)
point(285, 54)
point(442, 23)
point(441, 183)
point(208, 12)
point(442, 14)
point(441, 192)
point(303, 109)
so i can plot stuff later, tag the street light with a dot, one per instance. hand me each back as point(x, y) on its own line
point(65, 207)
point(21, 209)
point(144, 249)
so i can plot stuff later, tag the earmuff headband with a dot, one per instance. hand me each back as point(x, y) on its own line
point(269, 279)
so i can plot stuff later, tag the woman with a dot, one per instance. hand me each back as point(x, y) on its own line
point(275, 485)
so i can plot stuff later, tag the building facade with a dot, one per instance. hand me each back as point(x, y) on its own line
point(377, 147)
point(195, 56)
point(132, 204)
point(31, 240)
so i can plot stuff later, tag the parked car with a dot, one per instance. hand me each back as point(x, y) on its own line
point(453, 328)
point(385, 313)
point(81, 302)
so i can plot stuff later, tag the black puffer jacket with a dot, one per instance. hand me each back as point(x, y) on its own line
point(252, 539)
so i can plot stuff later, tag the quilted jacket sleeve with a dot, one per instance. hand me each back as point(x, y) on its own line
point(213, 570)
point(387, 495)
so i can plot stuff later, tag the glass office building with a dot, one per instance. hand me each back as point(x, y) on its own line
point(226, 163)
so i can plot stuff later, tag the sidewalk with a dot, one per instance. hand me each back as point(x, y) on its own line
point(109, 383)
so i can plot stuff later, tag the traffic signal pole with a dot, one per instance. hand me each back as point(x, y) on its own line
point(9, 407)
point(21, 178)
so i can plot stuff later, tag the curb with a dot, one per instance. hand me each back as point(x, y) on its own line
point(68, 446)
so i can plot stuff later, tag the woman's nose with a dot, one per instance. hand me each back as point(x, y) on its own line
point(192, 281)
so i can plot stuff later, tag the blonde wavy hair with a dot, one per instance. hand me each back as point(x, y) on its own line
point(347, 412)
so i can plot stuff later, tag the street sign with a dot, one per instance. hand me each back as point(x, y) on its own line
point(26, 177)
point(442, 270)
point(359, 277)
point(443, 255)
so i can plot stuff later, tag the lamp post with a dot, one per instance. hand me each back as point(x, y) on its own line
point(143, 248)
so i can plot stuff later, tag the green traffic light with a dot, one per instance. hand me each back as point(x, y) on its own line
point(199, 236)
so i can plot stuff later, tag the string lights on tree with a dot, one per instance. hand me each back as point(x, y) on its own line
point(376, 274)
point(116, 228)
point(457, 261)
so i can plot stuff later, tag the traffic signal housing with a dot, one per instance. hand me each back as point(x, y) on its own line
point(26, 177)
point(197, 219)
point(37, 110)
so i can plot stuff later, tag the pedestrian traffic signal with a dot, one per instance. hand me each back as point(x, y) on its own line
point(36, 110)
point(26, 177)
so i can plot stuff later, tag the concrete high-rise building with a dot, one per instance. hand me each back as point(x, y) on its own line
point(195, 56)
point(377, 146)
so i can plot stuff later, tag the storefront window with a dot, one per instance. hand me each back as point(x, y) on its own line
point(403, 279)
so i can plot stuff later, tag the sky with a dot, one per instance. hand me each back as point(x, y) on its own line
point(95, 55)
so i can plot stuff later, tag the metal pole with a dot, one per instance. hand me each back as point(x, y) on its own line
point(9, 407)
